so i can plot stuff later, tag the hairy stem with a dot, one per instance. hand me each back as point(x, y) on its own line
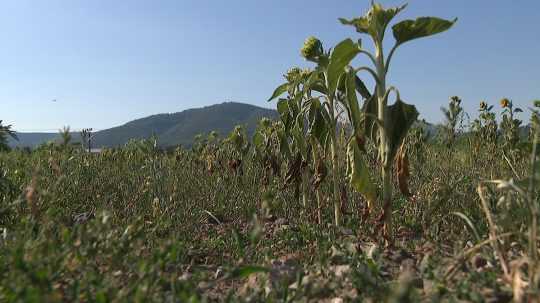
point(384, 144)
point(335, 171)
point(335, 163)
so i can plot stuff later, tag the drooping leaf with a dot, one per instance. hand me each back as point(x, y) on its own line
point(400, 118)
point(408, 30)
point(355, 115)
point(469, 223)
point(375, 21)
point(317, 81)
point(402, 171)
point(358, 174)
point(362, 89)
point(280, 90)
point(317, 124)
point(284, 114)
point(258, 140)
point(370, 110)
point(299, 135)
point(284, 143)
point(341, 56)
point(294, 174)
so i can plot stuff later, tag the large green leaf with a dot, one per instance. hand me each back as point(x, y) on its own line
point(284, 143)
point(341, 56)
point(317, 124)
point(258, 140)
point(400, 117)
point(358, 173)
point(279, 91)
point(408, 30)
point(375, 21)
point(284, 113)
point(299, 135)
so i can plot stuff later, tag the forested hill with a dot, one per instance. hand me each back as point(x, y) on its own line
point(170, 129)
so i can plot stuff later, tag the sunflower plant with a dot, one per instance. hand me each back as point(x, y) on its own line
point(535, 120)
point(454, 118)
point(5, 133)
point(485, 126)
point(509, 124)
point(386, 125)
point(309, 112)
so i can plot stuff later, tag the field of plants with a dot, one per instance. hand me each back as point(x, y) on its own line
point(348, 197)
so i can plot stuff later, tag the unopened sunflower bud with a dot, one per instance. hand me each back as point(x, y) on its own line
point(293, 74)
point(536, 103)
point(456, 100)
point(312, 48)
point(483, 105)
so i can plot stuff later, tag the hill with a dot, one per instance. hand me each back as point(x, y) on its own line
point(171, 129)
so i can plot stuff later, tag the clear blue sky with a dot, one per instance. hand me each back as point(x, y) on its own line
point(108, 62)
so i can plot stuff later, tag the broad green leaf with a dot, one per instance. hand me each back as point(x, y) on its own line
point(408, 30)
point(285, 114)
point(282, 106)
point(375, 21)
point(284, 143)
point(258, 139)
point(319, 87)
point(341, 56)
point(299, 135)
point(358, 173)
point(279, 91)
point(400, 118)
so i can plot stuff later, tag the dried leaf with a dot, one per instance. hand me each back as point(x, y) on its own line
point(402, 171)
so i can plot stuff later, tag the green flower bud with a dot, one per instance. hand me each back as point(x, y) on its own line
point(536, 103)
point(312, 48)
point(293, 74)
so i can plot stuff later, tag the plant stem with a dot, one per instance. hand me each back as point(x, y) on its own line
point(533, 242)
point(335, 171)
point(319, 206)
point(318, 193)
point(305, 181)
point(384, 152)
point(335, 163)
